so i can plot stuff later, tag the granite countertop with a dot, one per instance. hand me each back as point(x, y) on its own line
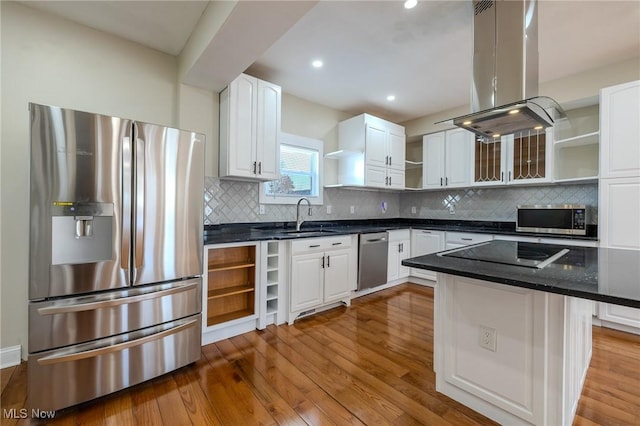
point(601, 274)
point(240, 232)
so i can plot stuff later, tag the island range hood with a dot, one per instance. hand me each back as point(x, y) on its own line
point(504, 89)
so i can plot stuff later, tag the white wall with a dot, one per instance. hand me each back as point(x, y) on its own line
point(49, 60)
point(304, 118)
point(567, 91)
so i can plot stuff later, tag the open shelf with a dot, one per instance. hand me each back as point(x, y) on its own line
point(341, 153)
point(229, 291)
point(231, 277)
point(576, 146)
point(219, 319)
point(579, 140)
point(234, 265)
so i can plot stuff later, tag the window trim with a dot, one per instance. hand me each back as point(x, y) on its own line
point(298, 142)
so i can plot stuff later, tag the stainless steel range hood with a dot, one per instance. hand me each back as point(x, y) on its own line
point(505, 71)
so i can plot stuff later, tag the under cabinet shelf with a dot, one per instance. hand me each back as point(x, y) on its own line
point(230, 291)
point(218, 319)
point(233, 265)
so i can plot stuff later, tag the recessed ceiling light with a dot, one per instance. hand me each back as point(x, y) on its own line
point(466, 123)
point(537, 128)
point(410, 4)
point(391, 98)
point(514, 111)
point(317, 63)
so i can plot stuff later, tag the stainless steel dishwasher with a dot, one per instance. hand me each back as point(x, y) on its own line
point(372, 260)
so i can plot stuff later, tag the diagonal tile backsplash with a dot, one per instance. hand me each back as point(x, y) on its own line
point(230, 201)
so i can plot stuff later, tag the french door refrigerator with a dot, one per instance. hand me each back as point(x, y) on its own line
point(115, 262)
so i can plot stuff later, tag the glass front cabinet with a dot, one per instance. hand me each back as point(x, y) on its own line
point(520, 158)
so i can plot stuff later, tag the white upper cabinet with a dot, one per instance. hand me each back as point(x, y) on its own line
point(250, 116)
point(447, 159)
point(521, 158)
point(620, 130)
point(372, 153)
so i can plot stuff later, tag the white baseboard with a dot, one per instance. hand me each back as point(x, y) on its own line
point(10, 356)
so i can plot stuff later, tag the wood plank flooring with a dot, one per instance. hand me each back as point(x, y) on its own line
point(371, 364)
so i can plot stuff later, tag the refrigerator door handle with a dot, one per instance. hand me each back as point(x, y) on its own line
point(125, 244)
point(91, 353)
point(138, 197)
point(100, 304)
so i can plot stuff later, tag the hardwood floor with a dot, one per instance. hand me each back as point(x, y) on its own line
point(369, 364)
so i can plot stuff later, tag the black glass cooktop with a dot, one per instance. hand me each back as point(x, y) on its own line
point(530, 255)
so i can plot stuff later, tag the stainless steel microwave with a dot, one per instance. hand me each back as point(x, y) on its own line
point(565, 219)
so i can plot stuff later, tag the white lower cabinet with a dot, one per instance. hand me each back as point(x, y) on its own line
point(423, 242)
point(323, 271)
point(399, 250)
point(461, 239)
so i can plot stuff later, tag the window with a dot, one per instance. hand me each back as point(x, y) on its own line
point(300, 172)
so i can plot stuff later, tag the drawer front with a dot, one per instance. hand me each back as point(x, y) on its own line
point(108, 365)
point(63, 322)
point(464, 238)
point(399, 235)
point(311, 245)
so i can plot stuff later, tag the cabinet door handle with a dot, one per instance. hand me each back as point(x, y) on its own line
point(386, 180)
point(440, 181)
point(389, 180)
point(335, 244)
point(466, 239)
point(328, 261)
point(426, 232)
point(446, 181)
point(314, 246)
point(509, 175)
point(390, 160)
point(502, 176)
point(255, 166)
point(260, 168)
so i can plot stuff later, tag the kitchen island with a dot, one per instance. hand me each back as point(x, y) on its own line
point(514, 342)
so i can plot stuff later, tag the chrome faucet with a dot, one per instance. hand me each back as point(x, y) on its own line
point(299, 219)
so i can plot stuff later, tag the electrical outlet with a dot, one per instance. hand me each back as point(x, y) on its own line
point(329, 209)
point(452, 209)
point(261, 208)
point(413, 210)
point(487, 338)
point(353, 209)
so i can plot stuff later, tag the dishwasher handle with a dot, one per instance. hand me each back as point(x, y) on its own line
point(380, 237)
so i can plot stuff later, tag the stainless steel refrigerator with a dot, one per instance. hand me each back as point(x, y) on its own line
point(115, 262)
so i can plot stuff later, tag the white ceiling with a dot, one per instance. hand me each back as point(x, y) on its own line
point(375, 48)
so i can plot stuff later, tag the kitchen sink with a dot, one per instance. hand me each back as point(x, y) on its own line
point(305, 233)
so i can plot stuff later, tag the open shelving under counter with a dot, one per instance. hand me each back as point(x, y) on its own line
point(230, 289)
point(273, 276)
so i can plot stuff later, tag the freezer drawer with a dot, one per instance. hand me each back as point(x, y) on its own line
point(62, 322)
point(68, 376)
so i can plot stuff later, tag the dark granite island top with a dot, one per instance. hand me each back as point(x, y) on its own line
point(601, 274)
